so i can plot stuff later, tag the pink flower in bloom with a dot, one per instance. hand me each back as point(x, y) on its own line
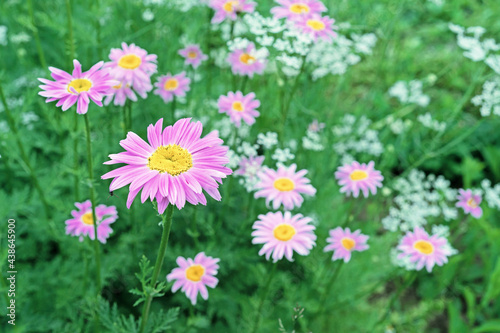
point(424, 250)
point(193, 276)
point(246, 61)
point(470, 203)
point(121, 92)
point(229, 9)
point(250, 167)
point(284, 186)
point(283, 234)
point(133, 66)
point(239, 107)
point(317, 26)
point(359, 177)
point(315, 126)
point(175, 165)
point(82, 223)
point(295, 9)
point(77, 87)
point(170, 86)
point(193, 55)
point(342, 242)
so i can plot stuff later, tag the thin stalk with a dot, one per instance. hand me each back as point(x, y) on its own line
point(129, 115)
point(39, 49)
point(173, 109)
point(167, 224)
point(71, 41)
point(263, 298)
point(92, 200)
point(329, 286)
point(244, 83)
point(125, 121)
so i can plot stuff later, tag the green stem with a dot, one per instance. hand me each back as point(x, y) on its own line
point(71, 41)
point(263, 298)
point(125, 121)
point(129, 116)
point(244, 84)
point(167, 224)
point(173, 109)
point(92, 200)
point(41, 56)
point(329, 286)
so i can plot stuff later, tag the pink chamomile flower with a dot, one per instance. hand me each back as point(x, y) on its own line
point(82, 223)
point(342, 242)
point(229, 9)
point(470, 203)
point(174, 166)
point(121, 92)
point(239, 107)
point(317, 26)
point(424, 250)
point(247, 61)
point(295, 9)
point(357, 177)
point(132, 65)
point(193, 55)
point(77, 87)
point(193, 276)
point(170, 86)
point(283, 234)
point(284, 186)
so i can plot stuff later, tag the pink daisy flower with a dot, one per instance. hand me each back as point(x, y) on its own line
point(342, 242)
point(357, 177)
point(193, 276)
point(295, 9)
point(239, 107)
point(82, 223)
point(283, 234)
point(284, 186)
point(170, 86)
point(250, 167)
point(246, 61)
point(132, 65)
point(193, 55)
point(316, 126)
point(175, 165)
point(470, 203)
point(317, 26)
point(424, 250)
point(229, 9)
point(121, 92)
point(77, 87)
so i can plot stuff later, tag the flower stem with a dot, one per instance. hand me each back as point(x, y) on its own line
point(322, 302)
point(41, 55)
point(167, 224)
point(92, 200)
point(263, 298)
point(71, 41)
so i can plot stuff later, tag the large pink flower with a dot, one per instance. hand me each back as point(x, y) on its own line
point(470, 203)
point(317, 26)
point(193, 276)
point(357, 177)
point(229, 9)
point(295, 9)
point(284, 186)
point(170, 86)
point(246, 61)
point(77, 87)
point(193, 55)
point(239, 107)
point(283, 234)
point(175, 165)
point(342, 242)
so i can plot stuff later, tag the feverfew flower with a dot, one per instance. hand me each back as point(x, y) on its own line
point(359, 177)
point(283, 234)
point(469, 40)
point(424, 250)
point(247, 61)
point(229, 9)
point(82, 223)
point(170, 86)
point(317, 26)
point(409, 93)
point(238, 107)
point(342, 242)
point(284, 186)
point(470, 203)
point(193, 55)
point(193, 276)
point(489, 100)
point(282, 155)
point(268, 140)
point(295, 9)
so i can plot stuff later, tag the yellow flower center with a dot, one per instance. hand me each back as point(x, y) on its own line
point(247, 59)
point(316, 24)
point(238, 106)
point(348, 243)
point(171, 84)
point(472, 203)
point(284, 232)
point(229, 6)
point(195, 272)
point(424, 247)
point(358, 175)
point(284, 184)
point(192, 54)
point(80, 85)
point(117, 86)
point(87, 219)
point(299, 8)
point(172, 159)
point(129, 61)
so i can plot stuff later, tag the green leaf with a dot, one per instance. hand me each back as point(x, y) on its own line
point(489, 326)
point(493, 289)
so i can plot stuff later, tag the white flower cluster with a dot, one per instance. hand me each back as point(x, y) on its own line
point(409, 93)
point(182, 5)
point(398, 126)
point(353, 136)
point(268, 140)
point(469, 40)
point(420, 198)
point(489, 100)
point(427, 121)
point(491, 194)
point(312, 141)
point(282, 155)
